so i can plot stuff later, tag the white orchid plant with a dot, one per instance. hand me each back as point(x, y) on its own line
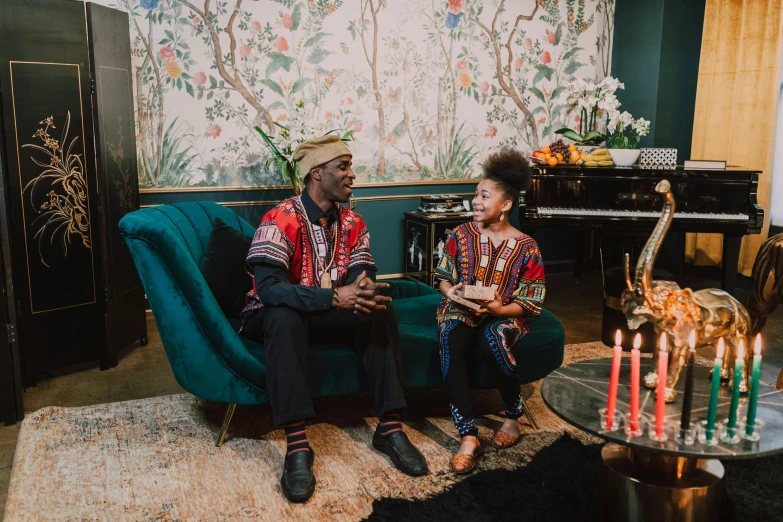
point(300, 129)
point(594, 102)
point(619, 136)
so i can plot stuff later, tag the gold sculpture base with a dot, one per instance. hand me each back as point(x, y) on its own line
point(642, 486)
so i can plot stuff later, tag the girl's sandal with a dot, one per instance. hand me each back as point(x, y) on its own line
point(462, 463)
point(503, 440)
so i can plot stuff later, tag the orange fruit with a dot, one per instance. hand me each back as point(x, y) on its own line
point(559, 156)
point(545, 149)
point(547, 156)
point(552, 161)
point(572, 147)
point(575, 156)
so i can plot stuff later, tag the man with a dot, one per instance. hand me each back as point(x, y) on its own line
point(310, 259)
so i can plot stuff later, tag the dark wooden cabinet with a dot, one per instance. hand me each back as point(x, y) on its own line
point(425, 237)
point(69, 174)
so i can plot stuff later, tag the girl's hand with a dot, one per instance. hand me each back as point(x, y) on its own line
point(494, 307)
point(451, 292)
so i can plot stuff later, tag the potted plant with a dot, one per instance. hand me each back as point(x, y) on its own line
point(592, 102)
point(622, 141)
point(283, 143)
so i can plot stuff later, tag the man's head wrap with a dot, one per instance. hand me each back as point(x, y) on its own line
point(319, 151)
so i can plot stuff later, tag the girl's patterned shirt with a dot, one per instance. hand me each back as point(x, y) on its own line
point(514, 269)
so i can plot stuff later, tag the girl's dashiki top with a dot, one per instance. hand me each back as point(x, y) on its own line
point(514, 269)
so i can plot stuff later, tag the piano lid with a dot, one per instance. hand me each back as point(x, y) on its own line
point(644, 173)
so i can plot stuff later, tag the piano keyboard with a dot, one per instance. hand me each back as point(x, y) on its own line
point(581, 212)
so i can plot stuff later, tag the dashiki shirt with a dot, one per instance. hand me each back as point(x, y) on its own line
point(284, 239)
point(514, 269)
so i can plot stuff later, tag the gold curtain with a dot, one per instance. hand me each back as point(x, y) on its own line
point(737, 104)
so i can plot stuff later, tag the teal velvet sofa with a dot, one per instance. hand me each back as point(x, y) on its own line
point(210, 360)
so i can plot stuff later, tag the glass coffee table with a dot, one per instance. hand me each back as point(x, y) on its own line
point(645, 480)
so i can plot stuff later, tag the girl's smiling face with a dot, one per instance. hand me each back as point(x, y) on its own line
point(490, 202)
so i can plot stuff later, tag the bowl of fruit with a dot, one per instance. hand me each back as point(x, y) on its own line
point(558, 153)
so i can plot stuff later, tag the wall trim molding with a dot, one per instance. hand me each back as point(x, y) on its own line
point(172, 190)
point(354, 201)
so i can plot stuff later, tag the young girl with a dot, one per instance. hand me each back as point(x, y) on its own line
point(489, 252)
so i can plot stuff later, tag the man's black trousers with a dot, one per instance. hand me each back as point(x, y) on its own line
point(287, 334)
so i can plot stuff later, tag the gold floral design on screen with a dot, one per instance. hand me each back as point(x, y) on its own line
point(123, 181)
point(63, 212)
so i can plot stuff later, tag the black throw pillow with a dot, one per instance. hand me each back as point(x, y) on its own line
point(223, 267)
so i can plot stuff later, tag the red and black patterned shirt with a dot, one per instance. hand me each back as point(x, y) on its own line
point(284, 246)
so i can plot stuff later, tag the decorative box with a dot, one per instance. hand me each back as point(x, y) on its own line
point(478, 293)
point(443, 204)
point(656, 157)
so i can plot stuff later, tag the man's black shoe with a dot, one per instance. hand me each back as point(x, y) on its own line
point(404, 455)
point(298, 481)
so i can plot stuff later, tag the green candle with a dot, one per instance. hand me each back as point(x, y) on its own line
point(739, 365)
point(712, 408)
point(754, 388)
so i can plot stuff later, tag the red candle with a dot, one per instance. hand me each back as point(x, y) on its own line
point(660, 401)
point(635, 363)
point(614, 380)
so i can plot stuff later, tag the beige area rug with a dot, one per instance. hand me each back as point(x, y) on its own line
point(155, 459)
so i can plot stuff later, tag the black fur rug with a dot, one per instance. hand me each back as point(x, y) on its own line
point(561, 483)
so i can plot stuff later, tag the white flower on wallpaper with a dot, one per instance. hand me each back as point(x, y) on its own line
point(428, 87)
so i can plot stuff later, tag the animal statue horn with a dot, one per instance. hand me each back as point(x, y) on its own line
point(711, 313)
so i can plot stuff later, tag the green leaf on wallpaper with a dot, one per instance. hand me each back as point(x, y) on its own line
point(300, 84)
point(572, 67)
point(557, 92)
point(475, 95)
point(538, 93)
point(273, 106)
point(212, 82)
point(361, 91)
point(278, 60)
point(189, 88)
point(296, 17)
point(318, 56)
point(571, 53)
point(317, 37)
point(544, 71)
point(274, 86)
point(558, 34)
point(538, 110)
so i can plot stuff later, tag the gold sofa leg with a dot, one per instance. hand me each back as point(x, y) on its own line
point(226, 422)
point(528, 413)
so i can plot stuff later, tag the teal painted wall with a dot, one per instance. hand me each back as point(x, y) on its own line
point(384, 218)
point(657, 45)
point(683, 22)
point(636, 58)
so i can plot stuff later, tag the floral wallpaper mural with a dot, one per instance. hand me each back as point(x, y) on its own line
point(428, 87)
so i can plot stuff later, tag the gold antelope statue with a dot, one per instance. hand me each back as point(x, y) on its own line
point(711, 313)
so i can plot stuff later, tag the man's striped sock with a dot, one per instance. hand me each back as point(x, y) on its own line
point(390, 423)
point(296, 437)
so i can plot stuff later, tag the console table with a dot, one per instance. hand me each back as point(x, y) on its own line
point(425, 237)
point(645, 480)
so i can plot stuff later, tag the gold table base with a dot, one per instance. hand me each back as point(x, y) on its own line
point(642, 486)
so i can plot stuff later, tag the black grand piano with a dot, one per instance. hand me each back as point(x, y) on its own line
point(623, 199)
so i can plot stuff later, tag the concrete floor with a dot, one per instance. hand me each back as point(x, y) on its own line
point(144, 371)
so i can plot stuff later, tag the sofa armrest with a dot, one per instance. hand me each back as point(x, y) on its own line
point(198, 339)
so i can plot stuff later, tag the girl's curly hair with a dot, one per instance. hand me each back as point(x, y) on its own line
point(510, 170)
